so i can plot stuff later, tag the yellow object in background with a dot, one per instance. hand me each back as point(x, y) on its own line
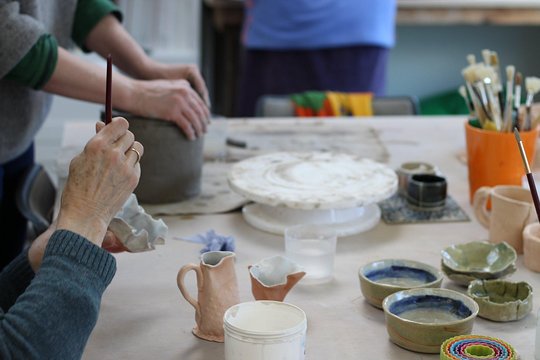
point(318, 103)
point(490, 125)
point(350, 104)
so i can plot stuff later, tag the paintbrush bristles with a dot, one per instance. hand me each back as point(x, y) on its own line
point(532, 84)
point(486, 55)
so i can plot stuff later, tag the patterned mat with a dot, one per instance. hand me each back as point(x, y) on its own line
point(396, 210)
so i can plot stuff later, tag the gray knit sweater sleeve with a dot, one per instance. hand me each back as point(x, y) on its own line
point(53, 317)
point(18, 33)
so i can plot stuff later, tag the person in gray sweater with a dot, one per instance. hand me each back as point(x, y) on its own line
point(50, 295)
point(35, 64)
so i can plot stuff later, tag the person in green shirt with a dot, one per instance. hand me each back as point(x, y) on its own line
point(35, 64)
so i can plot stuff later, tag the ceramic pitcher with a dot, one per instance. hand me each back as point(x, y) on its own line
point(217, 291)
point(511, 210)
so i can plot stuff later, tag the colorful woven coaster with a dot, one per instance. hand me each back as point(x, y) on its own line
point(475, 347)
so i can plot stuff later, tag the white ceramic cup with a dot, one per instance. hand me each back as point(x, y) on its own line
point(314, 248)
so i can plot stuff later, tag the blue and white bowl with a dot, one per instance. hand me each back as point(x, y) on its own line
point(381, 278)
point(422, 319)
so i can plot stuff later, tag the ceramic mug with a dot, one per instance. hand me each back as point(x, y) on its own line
point(512, 209)
point(426, 192)
point(493, 157)
point(218, 291)
point(531, 246)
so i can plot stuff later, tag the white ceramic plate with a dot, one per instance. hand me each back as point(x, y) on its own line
point(316, 180)
point(274, 219)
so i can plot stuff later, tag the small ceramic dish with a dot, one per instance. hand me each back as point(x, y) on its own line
point(501, 300)
point(422, 319)
point(272, 278)
point(381, 278)
point(479, 258)
point(465, 278)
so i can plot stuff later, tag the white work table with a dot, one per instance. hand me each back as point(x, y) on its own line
point(144, 316)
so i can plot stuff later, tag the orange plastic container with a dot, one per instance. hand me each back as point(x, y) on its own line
point(493, 157)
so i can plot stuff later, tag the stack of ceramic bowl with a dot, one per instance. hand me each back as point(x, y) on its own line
point(464, 263)
point(477, 347)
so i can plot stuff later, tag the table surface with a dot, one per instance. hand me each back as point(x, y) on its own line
point(144, 316)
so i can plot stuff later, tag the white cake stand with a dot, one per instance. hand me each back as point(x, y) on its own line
point(288, 188)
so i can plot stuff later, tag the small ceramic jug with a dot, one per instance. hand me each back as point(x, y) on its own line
point(272, 278)
point(217, 291)
point(511, 210)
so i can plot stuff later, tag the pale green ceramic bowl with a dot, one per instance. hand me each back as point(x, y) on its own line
point(422, 319)
point(466, 278)
point(479, 257)
point(381, 278)
point(501, 300)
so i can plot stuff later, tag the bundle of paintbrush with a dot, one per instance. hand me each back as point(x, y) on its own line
point(496, 106)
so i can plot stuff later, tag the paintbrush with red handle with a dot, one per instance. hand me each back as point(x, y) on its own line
point(530, 178)
point(108, 92)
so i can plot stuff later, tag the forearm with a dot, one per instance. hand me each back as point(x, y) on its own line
point(14, 279)
point(110, 37)
point(79, 79)
point(60, 307)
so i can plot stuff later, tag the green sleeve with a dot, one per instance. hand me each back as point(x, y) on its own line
point(37, 66)
point(87, 15)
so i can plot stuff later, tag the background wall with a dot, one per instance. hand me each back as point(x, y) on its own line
point(429, 59)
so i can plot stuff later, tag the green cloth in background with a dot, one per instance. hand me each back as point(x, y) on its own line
point(446, 103)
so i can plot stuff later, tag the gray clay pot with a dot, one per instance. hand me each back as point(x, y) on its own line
point(171, 166)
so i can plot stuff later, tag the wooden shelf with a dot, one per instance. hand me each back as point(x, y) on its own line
point(468, 16)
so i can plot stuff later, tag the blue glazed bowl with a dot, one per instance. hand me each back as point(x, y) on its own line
point(381, 278)
point(422, 319)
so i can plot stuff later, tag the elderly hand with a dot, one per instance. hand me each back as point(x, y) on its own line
point(100, 180)
point(172, 100)
point(190, 73)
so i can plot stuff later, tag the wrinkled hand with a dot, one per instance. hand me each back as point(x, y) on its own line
point(190, 73)
point(100, 180)
point(173, 100)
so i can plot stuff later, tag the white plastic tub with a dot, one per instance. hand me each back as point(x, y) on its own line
point(264, 330)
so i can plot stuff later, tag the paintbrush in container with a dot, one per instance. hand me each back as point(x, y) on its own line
point(470, 105)
point(517, 101)
point(532, 84)
point(507, 114)
point(530, 178)
point(477, 94)
point(108, 91)
point(486, 75)
point(497, 80)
